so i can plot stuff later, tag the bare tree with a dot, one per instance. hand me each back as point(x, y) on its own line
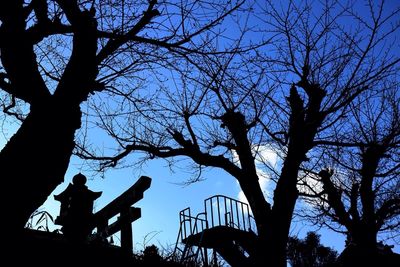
point(362, 196)
point(287, 96)
point(56, 54)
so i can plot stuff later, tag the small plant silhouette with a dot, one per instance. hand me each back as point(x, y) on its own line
point(42, 223)
point(151, 255)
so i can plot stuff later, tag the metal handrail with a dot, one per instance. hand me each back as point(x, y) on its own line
point(219, 210)
point(235, 213)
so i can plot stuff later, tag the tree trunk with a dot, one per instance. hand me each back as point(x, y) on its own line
point(362, 248)
point(35, 160)
point(303, 126)
point(363, 236)
point(285, 197)
point(285, 194)
point(261, 211)
point(366, 233)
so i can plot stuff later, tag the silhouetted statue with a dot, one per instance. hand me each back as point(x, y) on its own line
point(76, 213)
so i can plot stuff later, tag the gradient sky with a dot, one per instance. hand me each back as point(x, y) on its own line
point(162, 202)
point(165, 198)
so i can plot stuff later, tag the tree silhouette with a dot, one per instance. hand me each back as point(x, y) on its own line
point(55, 55)
point(360, 194)
point(309, 252)
point(288, 96)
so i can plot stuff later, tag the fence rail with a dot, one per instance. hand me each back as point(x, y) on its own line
point(225, 211)
point(219, 210)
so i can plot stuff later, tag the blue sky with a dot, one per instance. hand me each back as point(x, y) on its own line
point(165, 198)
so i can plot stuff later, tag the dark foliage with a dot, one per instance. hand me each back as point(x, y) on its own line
point(309, 252)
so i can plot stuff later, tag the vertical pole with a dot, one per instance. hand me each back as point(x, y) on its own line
point(126, 230)
point(101, 227)
point(219, 212)
point(212, 213)
point(215, 260)
point(237, 215)
point(231, 222)
point(226, 212)
point(248, 217)
point(243, 218)
point(205, 257)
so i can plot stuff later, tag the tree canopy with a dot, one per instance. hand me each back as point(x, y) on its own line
point(309, 81)
point(56, 55)
point(295, 95)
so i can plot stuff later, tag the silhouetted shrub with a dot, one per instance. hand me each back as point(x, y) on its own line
point(151, 255)
point(309, 252)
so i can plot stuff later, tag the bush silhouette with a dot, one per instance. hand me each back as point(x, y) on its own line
point(309, 252)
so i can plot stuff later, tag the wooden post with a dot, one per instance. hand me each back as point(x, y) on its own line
point(127, 214)
point(102, 226)
point(126, 230)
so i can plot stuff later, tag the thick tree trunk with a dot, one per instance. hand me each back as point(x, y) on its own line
point(362, 248)
point(274, 224)
point(364, 236)
point(35, 160)
point(303, 126)
point(236, 123)
point(261, 211)
point(285, 194)
point(285, 197)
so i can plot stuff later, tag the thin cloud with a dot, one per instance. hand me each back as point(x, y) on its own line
point(263, 155)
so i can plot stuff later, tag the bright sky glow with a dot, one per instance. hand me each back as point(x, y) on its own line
point(264, 156)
